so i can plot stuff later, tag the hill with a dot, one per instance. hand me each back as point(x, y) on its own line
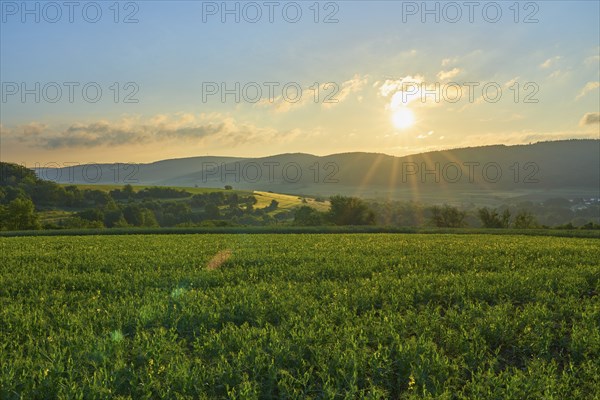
point(481, 174)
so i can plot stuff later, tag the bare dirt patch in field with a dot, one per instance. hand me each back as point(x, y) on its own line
point(218, 259)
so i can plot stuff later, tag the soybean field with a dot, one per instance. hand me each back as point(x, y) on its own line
point(300, 316)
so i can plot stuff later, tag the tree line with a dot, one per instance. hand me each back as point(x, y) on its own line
point(23, 195)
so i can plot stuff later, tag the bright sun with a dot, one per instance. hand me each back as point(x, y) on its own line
point(403, 118)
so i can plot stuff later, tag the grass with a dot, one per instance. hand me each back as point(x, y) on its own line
point(300, 316)
point(54, 216)
point(287, 201)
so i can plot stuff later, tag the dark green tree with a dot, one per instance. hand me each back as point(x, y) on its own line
point(447, 217)
point(525, 220)
point(308, 216)
point(19, 214)
point(350, 211)
point(491, 218)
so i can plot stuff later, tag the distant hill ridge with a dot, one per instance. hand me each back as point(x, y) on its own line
point(542, 166)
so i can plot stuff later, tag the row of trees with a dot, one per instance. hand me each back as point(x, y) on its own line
point(171, 213)
point(22, 193)
point(342, 211)
point(451, 217)
point(353, 211)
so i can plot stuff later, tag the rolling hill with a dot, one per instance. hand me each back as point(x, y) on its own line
point(546, 169)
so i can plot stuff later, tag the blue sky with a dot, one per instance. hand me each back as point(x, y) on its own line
point(372, 57)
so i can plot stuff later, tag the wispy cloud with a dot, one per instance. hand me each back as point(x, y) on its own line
point(590, 86)
point(512, 81)
point(425, 135)
point(445, 75)
point(549, 62)
point(328, 95)
point(354, 85)
point(401, 92)
point(449, 61)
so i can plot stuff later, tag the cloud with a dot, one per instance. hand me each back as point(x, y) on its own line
point(354, 85)
point(558, 74)
point(590, 86)
point(425, 136)
point(402, 91)
point(549, 62)
point(388, 87)
point(445, 75)
point(449, 61)
point(590, 119)
point(512, 81)
point(328, 94)
point(592, 60)
point(27, 132)
point(413, 90)
point(133, 130)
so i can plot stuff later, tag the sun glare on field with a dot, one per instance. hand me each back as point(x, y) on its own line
point(403, 118)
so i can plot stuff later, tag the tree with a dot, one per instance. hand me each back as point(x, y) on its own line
point(212, 211)
point(114, 219)
point(447, 217)
point(350, 211)
point(148, 218)
point(308, 216)
point(491, 218)
point(228, 187)
point(97, 198)
point(505, 218)
point(14, 174)
point(232, 199)
point(133, 215)
point(525, 220)
point(272, 206)
point(73, 196)
point(19, 214)
point(93, 214)
point(250, 200)
point(128, 191)
point(217, 198)
point(139, 216)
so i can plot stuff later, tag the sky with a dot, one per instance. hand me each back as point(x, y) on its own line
point(143, 81)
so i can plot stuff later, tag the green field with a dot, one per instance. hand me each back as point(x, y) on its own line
point(288, 202)
point(300, 316)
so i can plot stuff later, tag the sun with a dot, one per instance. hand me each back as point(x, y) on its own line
point(403, 118)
